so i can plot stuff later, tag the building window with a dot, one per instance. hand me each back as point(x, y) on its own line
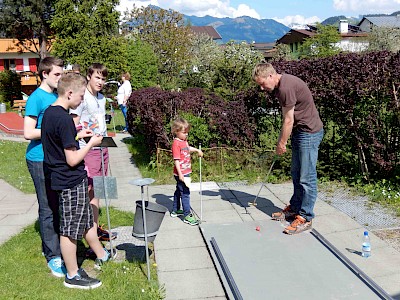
point(9, 64)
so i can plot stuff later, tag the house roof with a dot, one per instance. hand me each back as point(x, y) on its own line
point(383, 21)
point(11, 46)
point(263, 46)
point(295, 35)
point(209, 30)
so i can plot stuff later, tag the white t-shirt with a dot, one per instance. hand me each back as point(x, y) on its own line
point(91, 111)
point(124, 90)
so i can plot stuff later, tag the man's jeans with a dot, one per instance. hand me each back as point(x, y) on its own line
point(49, 219)
point(304, 172)
point(124, 110)
point(182, 193)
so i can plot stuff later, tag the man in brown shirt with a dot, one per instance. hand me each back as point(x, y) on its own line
point(302, 123)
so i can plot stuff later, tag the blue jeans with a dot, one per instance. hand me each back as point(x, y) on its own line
point(304, 172)
point(182, 193)
point(124, 111)
point(49, 218)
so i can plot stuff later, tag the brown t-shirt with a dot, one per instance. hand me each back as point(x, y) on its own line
point(292, 91)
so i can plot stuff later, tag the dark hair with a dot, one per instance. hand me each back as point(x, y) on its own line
point(47, 63)
point(97, 67)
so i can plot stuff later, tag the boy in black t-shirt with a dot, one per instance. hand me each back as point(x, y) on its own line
point(68, 177)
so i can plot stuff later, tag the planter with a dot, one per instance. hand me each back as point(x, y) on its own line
point(154, 215)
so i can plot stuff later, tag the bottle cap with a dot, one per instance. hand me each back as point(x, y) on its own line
point(365, 232)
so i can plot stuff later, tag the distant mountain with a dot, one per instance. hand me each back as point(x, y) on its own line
point(335, 20)
point(243, 28)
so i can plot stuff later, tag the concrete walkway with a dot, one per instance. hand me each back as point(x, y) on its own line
point(184, 266)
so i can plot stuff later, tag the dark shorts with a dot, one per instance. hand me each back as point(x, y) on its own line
point(93, 164)
point(76, 211)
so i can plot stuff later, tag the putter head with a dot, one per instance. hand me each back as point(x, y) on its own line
point(252, 203)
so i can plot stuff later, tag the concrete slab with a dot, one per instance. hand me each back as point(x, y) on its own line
point(178, 238)
point(202, 284)
point(176, 259)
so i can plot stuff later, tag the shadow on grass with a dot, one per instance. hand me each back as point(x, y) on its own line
point(134, 253)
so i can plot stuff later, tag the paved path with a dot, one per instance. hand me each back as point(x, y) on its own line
point(184, 265)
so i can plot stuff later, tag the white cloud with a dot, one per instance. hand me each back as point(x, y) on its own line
point(215, 8)
point(367, 6)
point(297, 19)
point(128, 4)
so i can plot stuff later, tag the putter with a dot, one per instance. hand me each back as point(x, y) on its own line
point(254, 203)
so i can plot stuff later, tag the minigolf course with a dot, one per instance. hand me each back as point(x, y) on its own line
point(255, 260)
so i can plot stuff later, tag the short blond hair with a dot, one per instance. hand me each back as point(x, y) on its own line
point(179, 124)
point(263, 70)
point(72, 81)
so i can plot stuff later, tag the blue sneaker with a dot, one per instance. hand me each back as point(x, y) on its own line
point(98, 263)
point(56, 265)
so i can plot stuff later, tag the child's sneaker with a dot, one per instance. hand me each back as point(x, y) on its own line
point(57, 267)
point(189, 219)
point(98, 263)
point(177, 213)
point(104, 234)
point(81, 281)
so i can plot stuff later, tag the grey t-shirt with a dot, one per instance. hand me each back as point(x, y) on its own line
point(91, 111)
point(292, 91)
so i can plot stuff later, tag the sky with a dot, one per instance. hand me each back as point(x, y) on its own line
point(283, 11)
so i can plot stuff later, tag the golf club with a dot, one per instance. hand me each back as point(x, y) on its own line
point(254, 203)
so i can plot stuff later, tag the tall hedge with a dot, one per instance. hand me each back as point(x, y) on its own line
point(357, 96)
point(359, 93)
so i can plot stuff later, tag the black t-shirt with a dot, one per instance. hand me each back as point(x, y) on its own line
point(58, 133)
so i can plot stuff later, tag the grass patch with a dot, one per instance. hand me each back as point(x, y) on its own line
point(24, 273)
point(13, 168)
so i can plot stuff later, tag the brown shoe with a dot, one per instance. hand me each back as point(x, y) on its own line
point(285, 214)
point(298, 225)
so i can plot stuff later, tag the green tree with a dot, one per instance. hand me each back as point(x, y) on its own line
point(323, 44)
point(87, 32)
point(384, 38)
point(167, 33)
point(234, 68)
point(283, 52)
point(204, 53)
point(27, 20)
point(142, 64)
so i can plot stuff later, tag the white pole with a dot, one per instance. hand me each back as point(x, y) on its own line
point(201, 190)
point(145, 233)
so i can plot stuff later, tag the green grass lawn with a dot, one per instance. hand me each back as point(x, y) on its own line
point(23, 270)
point(24, 274)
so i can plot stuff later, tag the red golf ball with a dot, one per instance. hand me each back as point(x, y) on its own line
point(258, 228)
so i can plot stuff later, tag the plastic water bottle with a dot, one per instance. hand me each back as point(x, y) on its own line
point(366, 245)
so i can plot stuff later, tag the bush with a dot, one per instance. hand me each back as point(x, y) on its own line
point(10, 86)
point(215, 122)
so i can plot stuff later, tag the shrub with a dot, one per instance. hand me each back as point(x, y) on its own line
point(151, 110)
point(10, 86)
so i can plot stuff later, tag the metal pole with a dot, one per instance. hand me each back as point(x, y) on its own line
point(145, 233)
point(201, 190)
point(106, 199)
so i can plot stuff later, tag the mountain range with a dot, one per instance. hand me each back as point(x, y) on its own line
point(260, 31)
point(243, 28)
